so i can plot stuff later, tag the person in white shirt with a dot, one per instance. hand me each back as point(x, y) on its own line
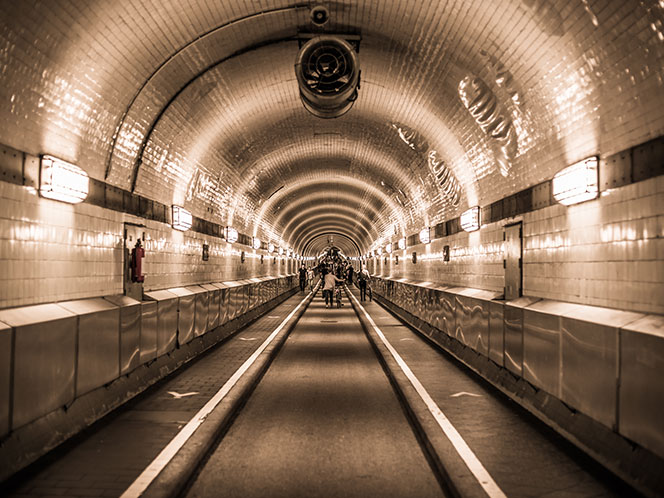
point(329, 280)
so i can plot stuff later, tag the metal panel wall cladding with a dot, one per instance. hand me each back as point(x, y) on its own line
point(214, 299)
point(244, 298)
point(130, 331)
point(201, 304)
point(186, 314)
point(148, 331)
point(463, 325)
point(496, 332)
point(428, 302)
point(233, 302)
point(541, 348)
point(590, 344)
point(224, 305)
point(641, 394)
point(98, 342)
point(513, 334)
point(44, 360)
point(437, 309)
point(478, 339)
point(5, 376)
point(449, 311)
point(167, 320)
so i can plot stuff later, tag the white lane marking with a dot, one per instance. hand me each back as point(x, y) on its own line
point(178, 395)
point(248, 338)
point(467, 455)
point(157, 465)
point(406, 339)
point(464, 393)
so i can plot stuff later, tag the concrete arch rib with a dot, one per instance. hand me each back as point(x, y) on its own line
point(321, 240)
point(315, 245)
point(289, 195)
point(347, 228)
point(334, 219)
point(332, 210)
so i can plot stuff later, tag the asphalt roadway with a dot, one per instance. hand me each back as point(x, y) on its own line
point(323, 421)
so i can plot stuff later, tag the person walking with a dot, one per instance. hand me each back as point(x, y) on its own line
point(329, 280)
point(303, 278)
point(362, 279)
point(310, 278)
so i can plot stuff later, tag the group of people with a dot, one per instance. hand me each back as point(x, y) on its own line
point(333, 271)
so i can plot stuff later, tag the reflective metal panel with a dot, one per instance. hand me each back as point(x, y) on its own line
point(463, 326)
point(472, 318)
point(448, 302)
point(244, 296)
point(427, 304)
point(186, 313)
point(130, 331)
point(224, 305)
point(496, 332)
point(148, 331)
point(44, 360)
point(167, 320)
point(513, 333)
point(5, 376)
point(214, 298)
point(590, 360)
point(641, 392)
point(224, 302)
point(202, 303)
point(541, 345)
point(98, 359)
point(233, 300)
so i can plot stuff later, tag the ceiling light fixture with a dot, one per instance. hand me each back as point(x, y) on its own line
point(182, 219)
point(62, 181)
point(576, 183)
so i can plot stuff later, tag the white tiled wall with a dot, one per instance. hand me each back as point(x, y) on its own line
point(51, 251)
point(607, 252)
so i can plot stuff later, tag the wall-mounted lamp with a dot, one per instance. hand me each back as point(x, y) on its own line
point(576, 183)
point(62, 181)
point(388, 248)
point(470, 219)
point(402, 243)
point(281, 251)
point(425, 235)
point(270, 247)
point(182, 218)
point(256, 243)
point(230, 234)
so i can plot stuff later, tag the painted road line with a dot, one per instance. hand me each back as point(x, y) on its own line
point(462, 448)
point(159, 463)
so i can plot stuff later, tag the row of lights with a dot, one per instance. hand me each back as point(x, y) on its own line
point(572, 185)
point(67, 182)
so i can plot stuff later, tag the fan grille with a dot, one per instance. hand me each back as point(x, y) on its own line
point(328, 75)
point(328, 69)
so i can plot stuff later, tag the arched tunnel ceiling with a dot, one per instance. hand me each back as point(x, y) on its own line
point(196, 103)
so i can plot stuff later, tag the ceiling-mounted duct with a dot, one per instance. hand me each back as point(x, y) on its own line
point(328, 73)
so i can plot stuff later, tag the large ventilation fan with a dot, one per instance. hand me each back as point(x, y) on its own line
point(328, 74)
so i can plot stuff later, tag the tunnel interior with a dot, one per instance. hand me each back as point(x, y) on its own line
point(512, 150)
